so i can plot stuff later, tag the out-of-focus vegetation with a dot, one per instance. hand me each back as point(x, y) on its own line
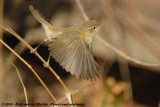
point(132, 26)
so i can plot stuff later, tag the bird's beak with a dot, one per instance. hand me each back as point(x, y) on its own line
point(102, 25)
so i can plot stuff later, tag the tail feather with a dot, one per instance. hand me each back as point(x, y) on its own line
point(37, 15)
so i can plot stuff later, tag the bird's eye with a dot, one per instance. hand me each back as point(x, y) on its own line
point(94, 27)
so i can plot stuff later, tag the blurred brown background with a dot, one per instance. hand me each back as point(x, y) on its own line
point(132, 26)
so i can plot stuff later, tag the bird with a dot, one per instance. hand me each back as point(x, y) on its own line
point(71, 47)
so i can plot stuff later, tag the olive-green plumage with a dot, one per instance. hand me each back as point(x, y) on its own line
point(71, 46)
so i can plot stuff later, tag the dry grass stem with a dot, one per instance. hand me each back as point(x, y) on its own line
point(24, 89)
point(34, 51)
point(30, 67)
point(66, 96)
point(69, 97)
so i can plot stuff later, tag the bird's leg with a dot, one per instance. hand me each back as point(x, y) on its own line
point(35, 49)
point(46, 65)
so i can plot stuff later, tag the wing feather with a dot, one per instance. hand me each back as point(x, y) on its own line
point(79, 67)
point(73, 55)
point(89, 67)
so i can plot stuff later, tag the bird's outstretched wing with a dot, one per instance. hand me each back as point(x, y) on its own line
point(73, 55)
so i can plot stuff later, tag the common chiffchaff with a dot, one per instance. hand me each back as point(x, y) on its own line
point(71, 47)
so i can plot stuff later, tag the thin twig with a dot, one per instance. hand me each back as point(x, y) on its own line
point(122, 54)
point(69, 97)
point(34, 51)
point(24, 89)
point(30, 67)
point(66, 96)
